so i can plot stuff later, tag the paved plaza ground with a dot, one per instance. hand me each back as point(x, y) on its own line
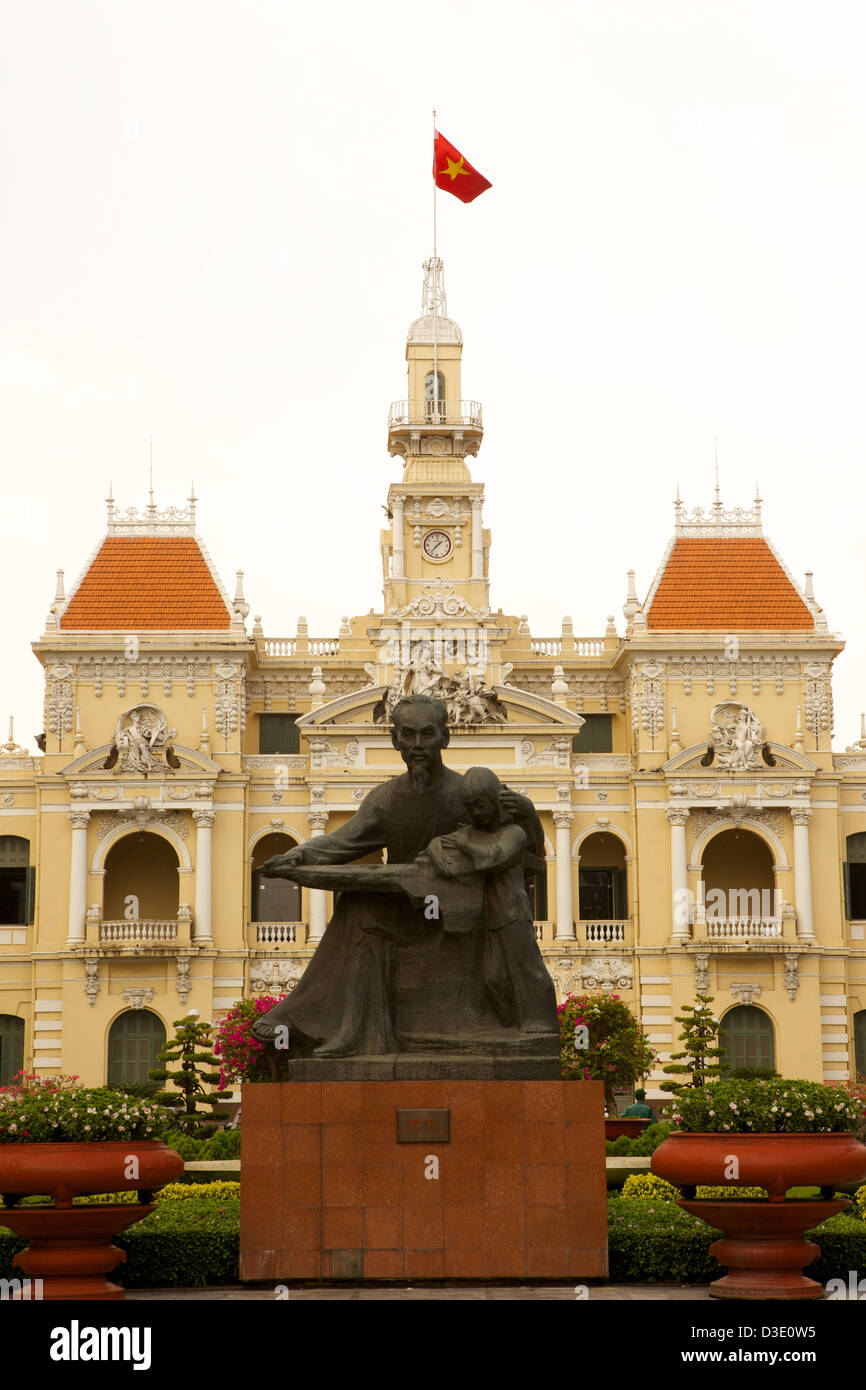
point(598, 1293)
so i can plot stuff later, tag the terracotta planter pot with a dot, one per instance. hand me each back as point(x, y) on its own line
point(70, 1251)
point(772, 1161)
point(631, 1127)
point(763, 1246)
point(68, 1170)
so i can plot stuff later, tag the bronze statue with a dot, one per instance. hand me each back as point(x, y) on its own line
point(436, 948)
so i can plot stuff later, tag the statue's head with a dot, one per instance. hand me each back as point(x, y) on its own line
point(479, 792)
point(419, 731)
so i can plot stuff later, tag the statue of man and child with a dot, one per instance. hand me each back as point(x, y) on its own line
point(434, 949)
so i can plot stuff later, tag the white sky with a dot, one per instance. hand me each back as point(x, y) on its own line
point(212, 221)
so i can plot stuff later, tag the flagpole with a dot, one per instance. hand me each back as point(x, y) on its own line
point(435, 286)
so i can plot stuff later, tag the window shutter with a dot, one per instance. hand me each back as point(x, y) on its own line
point(30, 895)
point(620, 894)
point(846, 880)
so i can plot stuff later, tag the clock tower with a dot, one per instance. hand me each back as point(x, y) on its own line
point(435, 555)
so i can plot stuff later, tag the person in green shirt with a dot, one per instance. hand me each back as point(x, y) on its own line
point(639, 1110)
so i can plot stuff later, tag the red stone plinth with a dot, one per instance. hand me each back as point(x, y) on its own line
point(328, 1193)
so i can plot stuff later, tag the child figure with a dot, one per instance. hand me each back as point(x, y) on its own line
point(514, 973)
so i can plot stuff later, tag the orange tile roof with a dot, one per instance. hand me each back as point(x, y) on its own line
point(726, 583)
point(147, 583)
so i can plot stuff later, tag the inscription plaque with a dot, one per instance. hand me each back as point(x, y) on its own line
point(423, 1126)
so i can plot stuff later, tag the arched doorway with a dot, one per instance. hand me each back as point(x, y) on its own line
point(273, 899)
point(11, 1047)
point(602, 878)
point(141, 881)
point(738, 878)
point(746, 1039)
point(134, 1041)
point(860, 1044)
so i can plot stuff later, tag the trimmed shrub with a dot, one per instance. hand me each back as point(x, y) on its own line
point(639, 1185)
point(642, 1145)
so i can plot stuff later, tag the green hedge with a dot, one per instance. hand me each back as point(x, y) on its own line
point(194, 1242)
point(642, 1145)
point(226, 1143)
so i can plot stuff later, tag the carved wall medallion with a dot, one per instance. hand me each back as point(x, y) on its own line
point(607, 973)
point(137, 998)
point(275, 976)
point(746, 993)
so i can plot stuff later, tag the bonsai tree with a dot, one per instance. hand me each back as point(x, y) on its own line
point(601, 1040)
point(191, 1047)
point(699, 1059)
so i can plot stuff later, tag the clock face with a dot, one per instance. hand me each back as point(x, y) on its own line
point(437, 545)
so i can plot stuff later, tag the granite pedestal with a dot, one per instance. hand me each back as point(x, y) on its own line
point(516, 1191)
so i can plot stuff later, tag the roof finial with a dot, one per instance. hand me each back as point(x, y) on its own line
point(717, 505)
point(678, 507)
point(433, 294)
point(109, 505)
point(151, 508)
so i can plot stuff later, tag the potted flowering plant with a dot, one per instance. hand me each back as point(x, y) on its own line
point(62, 1140)
point(774, 1134)
point(601, 1040)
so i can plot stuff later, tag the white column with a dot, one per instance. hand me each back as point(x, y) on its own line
point(564, 910)
point(77, 877)
point(477, 540)
point(679, 875)
point(202, 928)
point(318, 821)
point(397, 559)
point(802, 874)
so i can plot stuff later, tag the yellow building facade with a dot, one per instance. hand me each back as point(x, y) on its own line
point(701, 834)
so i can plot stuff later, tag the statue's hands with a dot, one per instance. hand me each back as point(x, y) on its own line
point(276, 866)
point(512, 803)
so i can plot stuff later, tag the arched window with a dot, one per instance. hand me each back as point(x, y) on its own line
point(860, 1044)
point(134, 1041)
point(854, 870)
point(746, 1039)
point(17, 881)
point(434, 395)
point(11, 1047)
point(273, 899)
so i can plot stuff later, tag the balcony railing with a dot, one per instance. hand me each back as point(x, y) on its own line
point(139, 931)
point(733, 928)
point(279, 933)
point(405, 413)
point(612, 930)
point(309, 646)
point(567, 646)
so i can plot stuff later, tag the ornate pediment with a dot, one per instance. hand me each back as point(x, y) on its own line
point(189, 762)
point(694, 760)
point(520, 708)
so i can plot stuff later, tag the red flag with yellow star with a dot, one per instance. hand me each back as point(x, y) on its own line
point(454, 173)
